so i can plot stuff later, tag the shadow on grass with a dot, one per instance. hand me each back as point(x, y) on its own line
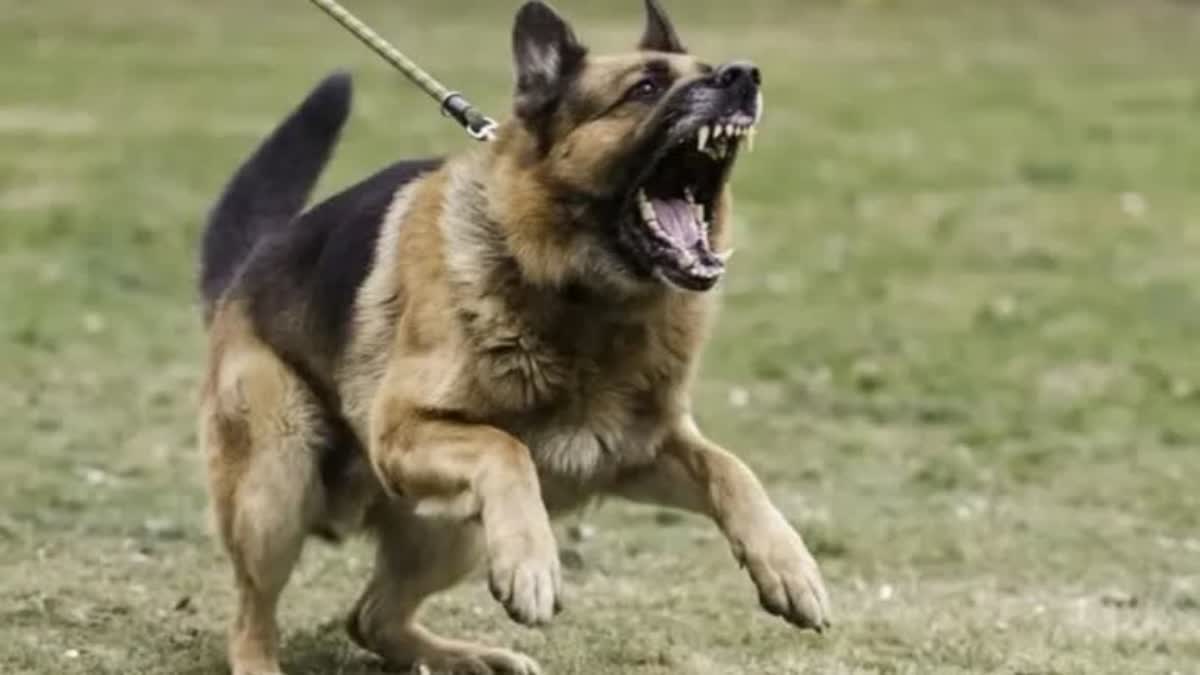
point(327, 651)
point(322, 651)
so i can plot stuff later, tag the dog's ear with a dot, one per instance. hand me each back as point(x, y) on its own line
point(547, 55)
point(660, 35)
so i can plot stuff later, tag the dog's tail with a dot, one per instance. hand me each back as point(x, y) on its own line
point(271, 188)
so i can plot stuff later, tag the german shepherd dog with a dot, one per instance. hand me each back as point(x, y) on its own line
point(450, 351)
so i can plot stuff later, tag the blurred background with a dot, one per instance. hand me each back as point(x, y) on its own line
point(959, 339)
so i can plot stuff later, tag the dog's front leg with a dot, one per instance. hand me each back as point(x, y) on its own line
point(694, 474)
point(467, 472)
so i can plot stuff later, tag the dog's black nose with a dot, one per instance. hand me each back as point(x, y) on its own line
point(739, 72)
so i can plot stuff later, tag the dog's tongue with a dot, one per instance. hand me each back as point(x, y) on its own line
point(677, 218)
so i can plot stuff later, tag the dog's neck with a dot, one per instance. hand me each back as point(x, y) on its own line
point(500, 231)
point(529, 301)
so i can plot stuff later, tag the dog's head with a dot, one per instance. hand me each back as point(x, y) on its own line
point(636, 147)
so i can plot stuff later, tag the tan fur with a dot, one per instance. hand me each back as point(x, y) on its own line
point(258, 428)
point(488, 395)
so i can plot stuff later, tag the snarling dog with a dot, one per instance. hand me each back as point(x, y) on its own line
point(450, 351)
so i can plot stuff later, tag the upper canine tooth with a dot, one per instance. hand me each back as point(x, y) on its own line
point(645, 207)
point(704, 131)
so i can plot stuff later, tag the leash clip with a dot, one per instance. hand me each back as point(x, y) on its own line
point(478, 126)
point(486, 132)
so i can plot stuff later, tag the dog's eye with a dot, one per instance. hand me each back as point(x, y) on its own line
point(645, 90)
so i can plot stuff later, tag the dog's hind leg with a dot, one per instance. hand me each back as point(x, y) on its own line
point(418, 557)
point(261, 432)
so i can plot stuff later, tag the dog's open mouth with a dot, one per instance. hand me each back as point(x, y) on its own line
point(676, 200)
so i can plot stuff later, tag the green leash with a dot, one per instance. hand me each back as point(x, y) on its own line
point(453, 104)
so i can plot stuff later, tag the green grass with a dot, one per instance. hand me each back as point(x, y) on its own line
point(960, 339)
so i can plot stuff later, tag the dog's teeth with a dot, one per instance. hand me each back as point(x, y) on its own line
point(646, 208)
point(728, 129)
point(718, 130)
point(687, 194)
point(703, 138)
point(648, 214)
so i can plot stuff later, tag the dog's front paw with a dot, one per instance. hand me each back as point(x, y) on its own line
point(788, 578)
point(524, 574)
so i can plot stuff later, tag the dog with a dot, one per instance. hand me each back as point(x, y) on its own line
point(451, 351)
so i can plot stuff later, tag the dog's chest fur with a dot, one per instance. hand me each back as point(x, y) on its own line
point(588, 384)
point(587, 391)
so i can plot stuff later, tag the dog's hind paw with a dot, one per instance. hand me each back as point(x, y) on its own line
point(511, 663)
point(483, 661)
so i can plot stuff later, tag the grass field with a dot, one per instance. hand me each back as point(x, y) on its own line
point(960, 339)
